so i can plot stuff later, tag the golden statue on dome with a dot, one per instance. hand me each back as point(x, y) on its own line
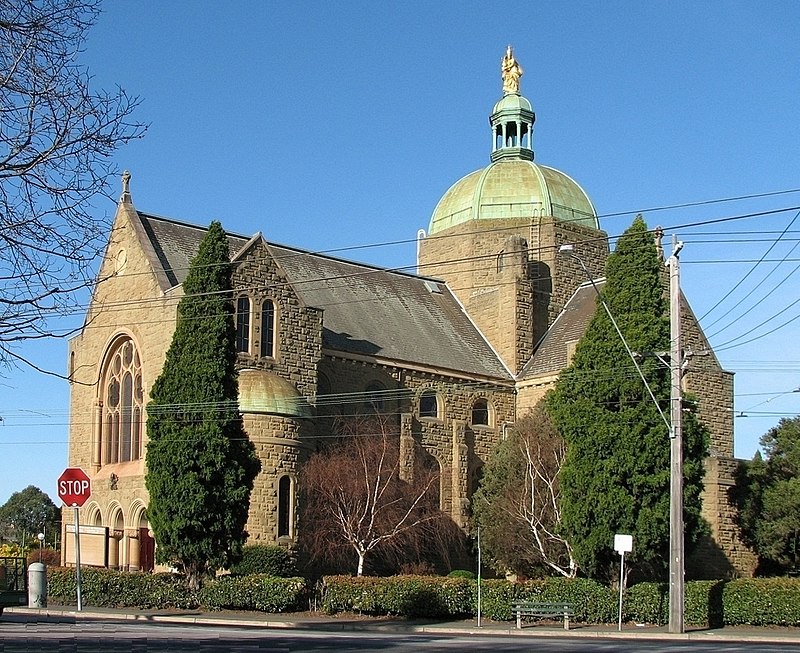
point(511, 72)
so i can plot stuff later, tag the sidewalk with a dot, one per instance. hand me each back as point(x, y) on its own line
point(356, 623)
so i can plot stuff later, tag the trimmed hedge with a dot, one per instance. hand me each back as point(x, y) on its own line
point(431, 596)
point(408, 596)
point(649, 603)
point(756, 602)
point(267, 559)
point(716, 603)
point(105, 588)
point(762, 602)
point(254, 592)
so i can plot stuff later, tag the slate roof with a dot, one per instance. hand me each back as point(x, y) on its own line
point(175, 244)
point(366, 310)
point(551, 356)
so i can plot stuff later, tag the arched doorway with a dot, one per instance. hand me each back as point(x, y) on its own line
point(116, 541)
point(147, 545)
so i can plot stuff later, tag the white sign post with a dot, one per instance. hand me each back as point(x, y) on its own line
point(74, 488)
point(622, 544)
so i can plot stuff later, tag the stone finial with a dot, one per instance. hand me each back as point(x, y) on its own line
point(511, 72)
point(126, 187)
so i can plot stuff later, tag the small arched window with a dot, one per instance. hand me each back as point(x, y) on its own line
point(285, 506)
point(429, 404)
point(268, 328)
point(123, 399)
point(480, 412)
point(243, 324)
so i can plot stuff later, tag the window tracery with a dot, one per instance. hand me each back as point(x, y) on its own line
point(123, 400)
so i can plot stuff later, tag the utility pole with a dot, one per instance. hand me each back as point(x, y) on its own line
point(676, 558)
point(674, 427)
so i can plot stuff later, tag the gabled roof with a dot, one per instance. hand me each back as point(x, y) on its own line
point(175, 244)
point(552, 354)
point(366, 310)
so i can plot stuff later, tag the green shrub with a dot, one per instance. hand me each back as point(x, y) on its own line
point(424, 596)
point(114, 589)
point(407, 596)
point(461, 573)
point(762, 602)
point(757, 602)
point(496, 598)
point(261, 592)
point(716, 603)
point(266, 559)
point(646, 603)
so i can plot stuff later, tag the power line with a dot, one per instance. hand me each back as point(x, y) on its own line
point(750, 271)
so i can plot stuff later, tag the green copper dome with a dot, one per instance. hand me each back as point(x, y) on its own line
point(512, 102)
point(513, 188)
point(512, 185)
point(261, 391)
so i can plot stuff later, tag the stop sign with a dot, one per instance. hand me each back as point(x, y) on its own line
point(74, 486)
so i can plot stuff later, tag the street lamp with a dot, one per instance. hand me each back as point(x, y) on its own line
point(674, 428)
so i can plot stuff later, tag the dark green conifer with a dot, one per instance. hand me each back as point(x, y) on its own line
point(616, 475)
point(200, 463)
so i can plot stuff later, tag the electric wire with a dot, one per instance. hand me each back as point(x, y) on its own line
point(661, 208)
point(404, 269)
point(748, 273)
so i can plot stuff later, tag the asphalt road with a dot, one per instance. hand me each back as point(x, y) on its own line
point(19, 633)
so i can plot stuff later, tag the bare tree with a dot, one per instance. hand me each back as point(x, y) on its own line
point(57, 137)
point(519, 503)
point(353, 495)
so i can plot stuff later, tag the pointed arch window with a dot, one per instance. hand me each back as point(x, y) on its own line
point(243, 324)
point(123, 399)
point(268, 321)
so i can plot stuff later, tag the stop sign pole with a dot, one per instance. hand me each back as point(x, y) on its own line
point(74, 489)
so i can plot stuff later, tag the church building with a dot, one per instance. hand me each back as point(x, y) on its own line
point(458, 352)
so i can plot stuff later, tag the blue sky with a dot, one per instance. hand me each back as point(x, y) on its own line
point(336, 125)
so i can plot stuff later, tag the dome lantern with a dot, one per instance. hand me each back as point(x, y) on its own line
point(512, 186)
point(512, 118)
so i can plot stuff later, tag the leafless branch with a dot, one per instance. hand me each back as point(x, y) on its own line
point(354, 492)
point(57, 137)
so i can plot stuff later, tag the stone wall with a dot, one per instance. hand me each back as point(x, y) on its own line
point(459, 448)
point(282, 444)
point(723, 555)
point(511, 278)
point(298, 341)
point(127, 302)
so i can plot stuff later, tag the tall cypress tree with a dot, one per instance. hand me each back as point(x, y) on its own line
point(200, 463)
point(616, 475)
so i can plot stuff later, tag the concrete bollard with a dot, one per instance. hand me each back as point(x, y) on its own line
point(37, 585)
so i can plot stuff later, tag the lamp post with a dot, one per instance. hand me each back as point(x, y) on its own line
point(674, 427)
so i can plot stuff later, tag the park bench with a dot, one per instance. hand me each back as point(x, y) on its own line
point(522, 608)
